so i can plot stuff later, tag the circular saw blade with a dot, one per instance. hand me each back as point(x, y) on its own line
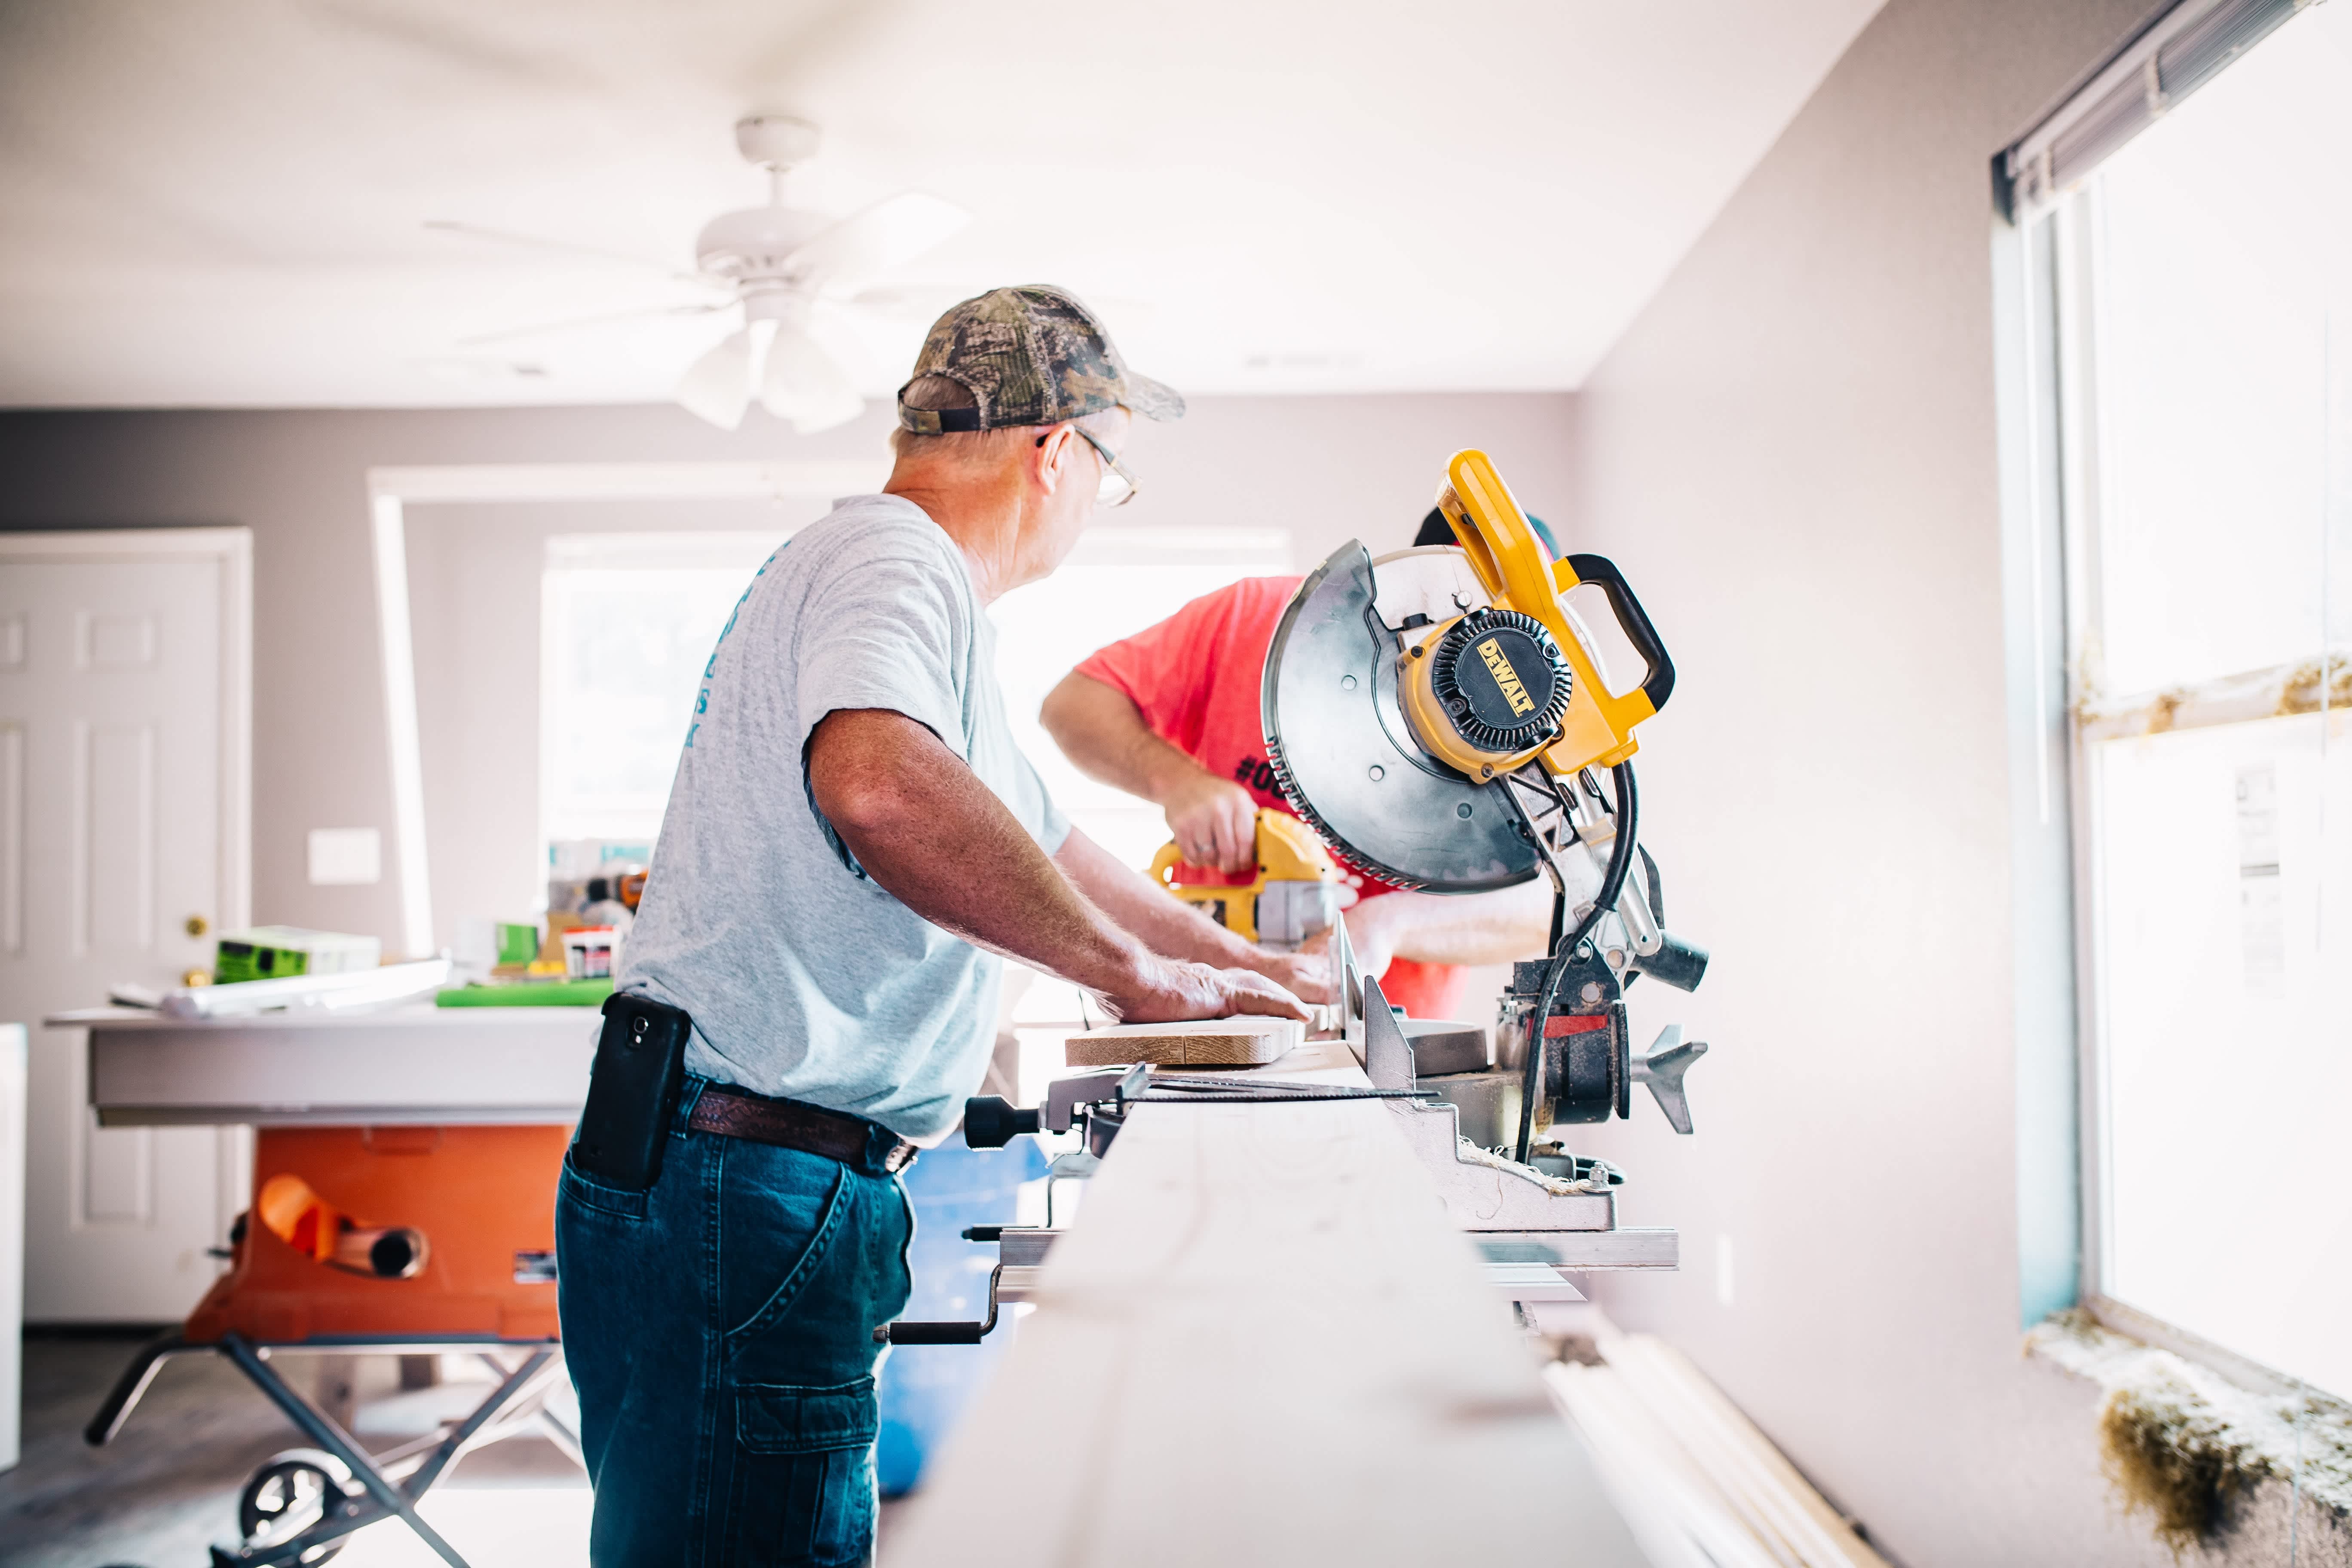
point(1346, 761)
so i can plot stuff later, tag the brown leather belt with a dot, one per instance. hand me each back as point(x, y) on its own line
point(789, 1124)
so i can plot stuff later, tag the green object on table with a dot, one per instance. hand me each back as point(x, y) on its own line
point(516, 943)
point(529, 994)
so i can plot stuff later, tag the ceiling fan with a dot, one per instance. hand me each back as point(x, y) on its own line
point(778, 265)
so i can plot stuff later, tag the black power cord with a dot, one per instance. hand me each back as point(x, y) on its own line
point(1612, 887)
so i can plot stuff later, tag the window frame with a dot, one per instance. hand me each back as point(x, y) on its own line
point(2059, 477)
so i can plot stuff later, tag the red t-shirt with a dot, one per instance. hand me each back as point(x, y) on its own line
point(1195, 678)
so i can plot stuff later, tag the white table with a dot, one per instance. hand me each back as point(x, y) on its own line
point(416, 1063)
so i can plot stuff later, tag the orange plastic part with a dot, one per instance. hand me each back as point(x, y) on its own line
point(486, 1195)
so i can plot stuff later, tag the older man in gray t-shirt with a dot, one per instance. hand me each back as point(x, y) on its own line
point(805, 978)
point(852, 843)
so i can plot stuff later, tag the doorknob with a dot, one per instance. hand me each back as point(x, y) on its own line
point(197, 925)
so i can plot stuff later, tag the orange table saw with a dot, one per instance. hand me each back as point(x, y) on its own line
point(405, 1168)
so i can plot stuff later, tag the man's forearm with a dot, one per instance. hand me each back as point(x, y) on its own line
point(1168, 926)
point(1500, 927)
point(1101, 731)
point(937, 838)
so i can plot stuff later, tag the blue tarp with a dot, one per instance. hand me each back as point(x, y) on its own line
point(924, 1388)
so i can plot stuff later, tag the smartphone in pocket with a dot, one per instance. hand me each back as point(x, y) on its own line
point(632, 1092)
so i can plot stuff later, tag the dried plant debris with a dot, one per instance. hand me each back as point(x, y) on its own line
point(2317, 684)
point(2179, 1441)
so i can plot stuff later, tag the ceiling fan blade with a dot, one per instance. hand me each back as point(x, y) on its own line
point(479, 339)
point(718, 386)
point(561, 246)
point(883, 236)
point(806, 385)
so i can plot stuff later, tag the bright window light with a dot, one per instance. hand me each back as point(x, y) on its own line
point(2204, 326)
point(627, 625)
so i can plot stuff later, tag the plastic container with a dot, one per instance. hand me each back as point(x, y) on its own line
point(924, 1389)
point(588, 951)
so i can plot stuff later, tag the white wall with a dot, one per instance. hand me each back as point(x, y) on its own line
point(1792, 454)
point(1326, 467)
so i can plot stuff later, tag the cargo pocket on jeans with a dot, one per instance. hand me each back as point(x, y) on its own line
point(803, 1490)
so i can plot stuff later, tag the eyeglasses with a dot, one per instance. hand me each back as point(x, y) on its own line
point(1119, 486)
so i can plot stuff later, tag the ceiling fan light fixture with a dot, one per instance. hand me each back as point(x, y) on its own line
point(806, 386)
point(718, 386)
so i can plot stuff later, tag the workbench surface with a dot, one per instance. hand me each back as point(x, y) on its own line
point(415, 1063)
point(1261, 1343)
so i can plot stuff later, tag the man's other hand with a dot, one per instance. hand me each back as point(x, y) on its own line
point(1306, 974)
point(1215, 821)
point(1170, 990)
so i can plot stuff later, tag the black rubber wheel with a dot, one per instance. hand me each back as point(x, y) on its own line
point(290, 1494)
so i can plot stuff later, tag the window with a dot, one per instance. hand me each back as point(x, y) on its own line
point(2194, 288)
point(627, 625)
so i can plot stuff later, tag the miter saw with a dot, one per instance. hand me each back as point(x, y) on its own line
point(1438, 716)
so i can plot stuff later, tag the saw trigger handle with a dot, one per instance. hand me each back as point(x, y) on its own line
point(1657, 667)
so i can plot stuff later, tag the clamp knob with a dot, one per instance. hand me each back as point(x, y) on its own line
point(990, 1122)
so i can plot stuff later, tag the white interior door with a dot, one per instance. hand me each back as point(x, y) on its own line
point(121, 846)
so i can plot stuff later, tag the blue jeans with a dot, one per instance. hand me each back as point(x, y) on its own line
point(718, 1327)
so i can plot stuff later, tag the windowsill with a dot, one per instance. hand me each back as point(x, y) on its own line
point(2190, 1433)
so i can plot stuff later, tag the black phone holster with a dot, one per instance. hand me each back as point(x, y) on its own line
point(632, 1092)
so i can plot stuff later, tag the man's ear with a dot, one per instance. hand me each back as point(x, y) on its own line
point(1050, 462)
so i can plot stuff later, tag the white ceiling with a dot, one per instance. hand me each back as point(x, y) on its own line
point(223, 202)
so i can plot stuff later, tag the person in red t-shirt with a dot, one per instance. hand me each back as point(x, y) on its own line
point(1171, 714)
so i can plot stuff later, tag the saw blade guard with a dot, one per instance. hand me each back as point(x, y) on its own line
point(1345, 757)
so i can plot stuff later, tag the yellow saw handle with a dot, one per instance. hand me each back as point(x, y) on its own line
point(1517, 573)
point(1288, 851)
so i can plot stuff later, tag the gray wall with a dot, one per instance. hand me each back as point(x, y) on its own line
point(1326, 467)
point(1793, 455)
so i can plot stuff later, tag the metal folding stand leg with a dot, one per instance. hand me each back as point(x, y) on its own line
point(390, 1483)
point(338, 1520)
point(133, 1386)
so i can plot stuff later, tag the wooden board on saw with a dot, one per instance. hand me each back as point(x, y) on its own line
point(1244, 1042)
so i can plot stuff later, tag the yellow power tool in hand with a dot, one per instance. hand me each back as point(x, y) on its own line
point(1294, 895)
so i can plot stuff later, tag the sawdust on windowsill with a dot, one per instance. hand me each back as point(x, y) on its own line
point(2178, 1440)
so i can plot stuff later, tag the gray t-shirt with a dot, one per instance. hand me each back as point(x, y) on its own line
point(805, 978)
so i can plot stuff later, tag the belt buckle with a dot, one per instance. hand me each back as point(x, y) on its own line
point(901, 1155)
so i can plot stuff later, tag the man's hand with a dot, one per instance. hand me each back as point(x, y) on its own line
point(1307, 973)
point(1175, 988)
point(1215, 821)
point(1174, 928)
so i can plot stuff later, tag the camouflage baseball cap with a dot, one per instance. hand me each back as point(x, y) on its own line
point(1029, 356)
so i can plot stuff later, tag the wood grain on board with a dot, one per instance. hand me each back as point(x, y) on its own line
point(1201, 1043)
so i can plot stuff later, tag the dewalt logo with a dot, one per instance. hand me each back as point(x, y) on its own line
point(1514, 691)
